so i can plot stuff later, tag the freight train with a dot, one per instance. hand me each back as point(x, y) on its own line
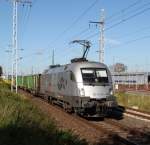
point(83, 87)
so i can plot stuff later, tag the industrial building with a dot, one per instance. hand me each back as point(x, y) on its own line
point(132, 78)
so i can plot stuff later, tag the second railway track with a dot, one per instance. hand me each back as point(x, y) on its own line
point(138, 113)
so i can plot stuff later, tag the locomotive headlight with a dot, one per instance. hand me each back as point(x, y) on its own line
point(111, 92)
point(82, 92)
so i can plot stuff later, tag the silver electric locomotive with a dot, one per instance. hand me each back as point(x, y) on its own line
point(83, 87)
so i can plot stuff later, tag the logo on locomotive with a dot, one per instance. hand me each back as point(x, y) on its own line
point(62, 83)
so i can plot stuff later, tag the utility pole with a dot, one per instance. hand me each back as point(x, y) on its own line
point(14, 42)
point(14, 70)
point(101, 24)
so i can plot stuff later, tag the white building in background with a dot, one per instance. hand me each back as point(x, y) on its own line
point(131, 78)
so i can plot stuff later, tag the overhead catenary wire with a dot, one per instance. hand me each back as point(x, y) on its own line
point(126, 19)
point(26, 17)
point(132, 33)
point(80, 33)
point(72, 24)
point(129, 42)
point(121, 21)
point(24, 13)
point(114, 15)
point(128, 12)
point(75, 21)
point(125, 43)
point(128, 34)
point(137, 39)
point(123, 10)
point(25, 20)
point(132, 41)
point(85, 30)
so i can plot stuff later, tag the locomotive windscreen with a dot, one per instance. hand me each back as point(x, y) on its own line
point(94, 76)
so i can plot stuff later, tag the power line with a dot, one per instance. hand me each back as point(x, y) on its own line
point(73, 23)
point(123, 20)
point(128, 18)
point(26, 20)
point(76, 21)
point(133, 11)
point(123, 10)
point(81, 32)
point(120, 22)
point(85, 30)
point(133, 40)
point(112, 16)
point(131, 33)
point(145, 5)
point(116, 14)
point(137, 39)
point(125, 43)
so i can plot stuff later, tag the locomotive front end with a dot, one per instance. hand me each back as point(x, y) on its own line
point(97, 97)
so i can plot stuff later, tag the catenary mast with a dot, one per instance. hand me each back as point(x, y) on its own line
point(14, 68)
point(101, 47)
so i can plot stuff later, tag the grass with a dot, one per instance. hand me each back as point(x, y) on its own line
point(131, 100)
point(21, 123)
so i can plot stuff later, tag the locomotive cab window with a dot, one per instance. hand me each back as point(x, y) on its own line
point(101, 75)
point(94, 76)
point(88, 75)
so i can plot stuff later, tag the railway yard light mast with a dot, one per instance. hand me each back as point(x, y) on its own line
point(101, 24)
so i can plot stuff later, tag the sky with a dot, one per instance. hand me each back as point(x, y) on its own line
point(53, 24)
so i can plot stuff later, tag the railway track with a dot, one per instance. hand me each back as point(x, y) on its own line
point(115, 132)
point(138, 113)
point(120, 134)
point(132, 135)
